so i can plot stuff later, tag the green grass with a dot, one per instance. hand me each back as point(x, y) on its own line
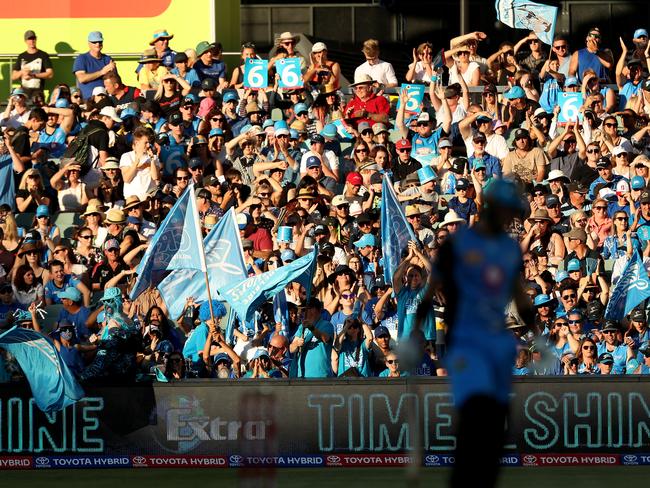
point(595, 477)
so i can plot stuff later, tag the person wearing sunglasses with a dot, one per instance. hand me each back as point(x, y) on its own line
point(538, 55)
point(592, 56)
point(352, 345)
point(89, 67)
point(393, 369)
point(606, 177)
point(587, 357)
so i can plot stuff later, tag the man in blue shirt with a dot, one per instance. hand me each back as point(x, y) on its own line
point(74, 312)
point(89, 67)
point(606, 177)
point(492, 164)
point(208, 67)
point(312, 344)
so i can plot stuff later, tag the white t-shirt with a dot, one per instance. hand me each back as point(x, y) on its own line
point(381, 72)
point(328, 157)
point(496, 146)
point(467, 76)
point(142, 182)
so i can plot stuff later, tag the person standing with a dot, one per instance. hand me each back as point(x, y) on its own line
point(592, 56)
point(90, 67)
point(481, 349)
point(32, 67)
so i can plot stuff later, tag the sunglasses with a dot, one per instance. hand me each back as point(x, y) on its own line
point(593, 151)
point(217, 119)
point(569, 297)
point(403, 150)
point(609, 124)
point(43, 217)
point(182, 178)
point(608, 332)
point(463, 53)
point(86, 237)
point(588, 348)
point(600, 208)
point(112, 249)
point(392, 361)
point(620, 218)
point(348, 296)
point(571, 322)
point(560, 324)
point(263, 195)
point(4, 291)
point(360, 150)
point(561, 46)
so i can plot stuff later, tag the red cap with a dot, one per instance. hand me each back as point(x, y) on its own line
point(403, 144)
point(354, 178)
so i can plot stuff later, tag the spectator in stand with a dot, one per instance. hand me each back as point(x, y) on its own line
point(374, 68)
point(592, 57)
point(32, 67)
point(90, 67)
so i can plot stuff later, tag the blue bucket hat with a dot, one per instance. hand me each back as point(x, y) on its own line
point(280, 124)
point(285, 233)
point(426, 174)
point(515, 92)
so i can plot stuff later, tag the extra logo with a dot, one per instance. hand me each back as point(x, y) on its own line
point(530, 460)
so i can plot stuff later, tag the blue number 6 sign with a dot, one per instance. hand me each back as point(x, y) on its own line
point(289, 71)
point(256, 73)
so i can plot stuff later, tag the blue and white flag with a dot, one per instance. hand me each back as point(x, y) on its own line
point(396, 232)
point(281, 312)
point(224, 261)
point(523, 14)
point(177, 244)
point(247, 296)
point(53, 385)
point(631, 289)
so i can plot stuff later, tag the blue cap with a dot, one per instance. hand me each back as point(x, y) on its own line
point(260, 352)
point(479, 164)
point(191, 97)
point(637, 183)
point(42, 211)
point(640, 32)
point(312, 162)
point(267, 123)
point(287, 255)
point(229, 96)
point(62, 103)
point(560, 276)
point(300, 107)
point(515, 92)
point(329, 131)
point(215, 132)
point(280, 124)
point(571, 81)
point(71, 293)
point(217, 307)
point(285, 233)
point(95, 36)
point(165, 347)
point(573, 265)
point(293, 134)
point(542, 299)
point(366, 240)
point(18, 92)
point(128, 112)
point(382, 331)
point(426, 174)
point(222, 356)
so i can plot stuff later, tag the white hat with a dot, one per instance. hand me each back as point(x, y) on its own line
point(622, 187)
point(451, 218)
point(362, 79)
point(558, 174)
point(318, 47)
point(110, 112)
point(424, 117)
point(99, 90)
point(281, 132)
point(619, 150)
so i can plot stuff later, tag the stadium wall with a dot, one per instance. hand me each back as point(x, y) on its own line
point(320, 423)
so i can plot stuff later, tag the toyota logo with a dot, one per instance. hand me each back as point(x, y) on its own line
point(630, 458)
point(236, 459)
point(333, 459)
point(432, 459)
point(530, 459)
point(139, 460)
point(42, 460)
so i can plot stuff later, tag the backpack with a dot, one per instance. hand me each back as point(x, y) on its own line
point(79, 148)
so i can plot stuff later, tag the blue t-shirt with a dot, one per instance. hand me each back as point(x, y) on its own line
point(628, 91)
point(424, 149)
point(217, 70)
point(55, 143)
point(7, 184)
point(314, 360)
point(408, 301)
point(195, 342)
point(78, 320)
point(464, 209)
point(52, 291)
point(619, 354)
point(191, 77)
point(354, 355)
point(86, 62)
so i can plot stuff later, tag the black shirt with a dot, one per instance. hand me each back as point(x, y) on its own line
point(38, 62)
point(401, 170)
point(103, 273)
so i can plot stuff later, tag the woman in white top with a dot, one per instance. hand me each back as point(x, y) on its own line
point(140, 167)
point(421, 69)
point(94, 217)
point(459, 65)
point(72, 194)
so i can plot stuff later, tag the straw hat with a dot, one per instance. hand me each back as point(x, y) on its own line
point(160, 34)
point(29, 246)
point(93, 209)
point(149, 56)
point(305, 193)
point(132, 201)
point(287, 36)
point(115, 216)
point(451, 217)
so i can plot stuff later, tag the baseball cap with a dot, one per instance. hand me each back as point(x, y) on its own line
point(560, 276)
point(515, 92)
point(444, 142)
point(478, 137)
point(313, 162)
point(462, 184)
point(111, 244)
point(382, 331)
point(542, 299)
point(242, 220)
point(216, 132)
point(321, 229)
point(577, 234)
point(640, 32)
point(94, 36)
point(339, 200)
point(366, 240)
point(573, 265)
point(521, 133)
point(192, 98)
point(300, 107)
point(195, 163)
point(287, 256)
point(637, 183)
point(424, 117)
point(645, 197)
point(578, 187)
point(638, 315)
point(230, 96)
point(363, 126)
point(42, 211)
point(317, 138)
point(403, 144)
point(329, 131)
point(71, 293)
point(552, 200)
point(180, 58)
point(30, 34)
point(208, 84)
point(571, 81)
point(378, 128)
point(595, 310)
point(175, 119)
point(318, 47)
point(247, 244)
point(222, 356)
point(610, 325)
point(603, 162)
point(606, 358)
point(354, 178)
point(619, 150)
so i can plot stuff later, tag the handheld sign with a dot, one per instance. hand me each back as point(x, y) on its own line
point(570, 104)
point(256, 74)
point(416, 96)
point(289, 71)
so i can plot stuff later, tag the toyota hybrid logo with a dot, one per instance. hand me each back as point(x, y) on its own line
point(42, 460)
point(432, 459)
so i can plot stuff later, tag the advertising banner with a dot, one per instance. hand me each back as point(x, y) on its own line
point(343, 423)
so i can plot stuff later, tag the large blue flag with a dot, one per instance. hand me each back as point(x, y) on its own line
point(177, 244)
point(523, 14)
point(224, 261)
point(247, 296)
point(631, 289)
point(396, 232)
point(53, 385)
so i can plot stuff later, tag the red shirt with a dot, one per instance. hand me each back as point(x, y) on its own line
point(261, 240)
point(373, 105)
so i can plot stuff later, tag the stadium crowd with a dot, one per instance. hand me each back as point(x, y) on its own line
point(88, 173)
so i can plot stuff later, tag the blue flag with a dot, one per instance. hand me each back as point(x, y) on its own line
point(53, 385)
point(247, 296)
point(396, 232)
point(281, 312)
point(224, 261)
point(177, 244)
point(522, 14)
point(631, 289)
